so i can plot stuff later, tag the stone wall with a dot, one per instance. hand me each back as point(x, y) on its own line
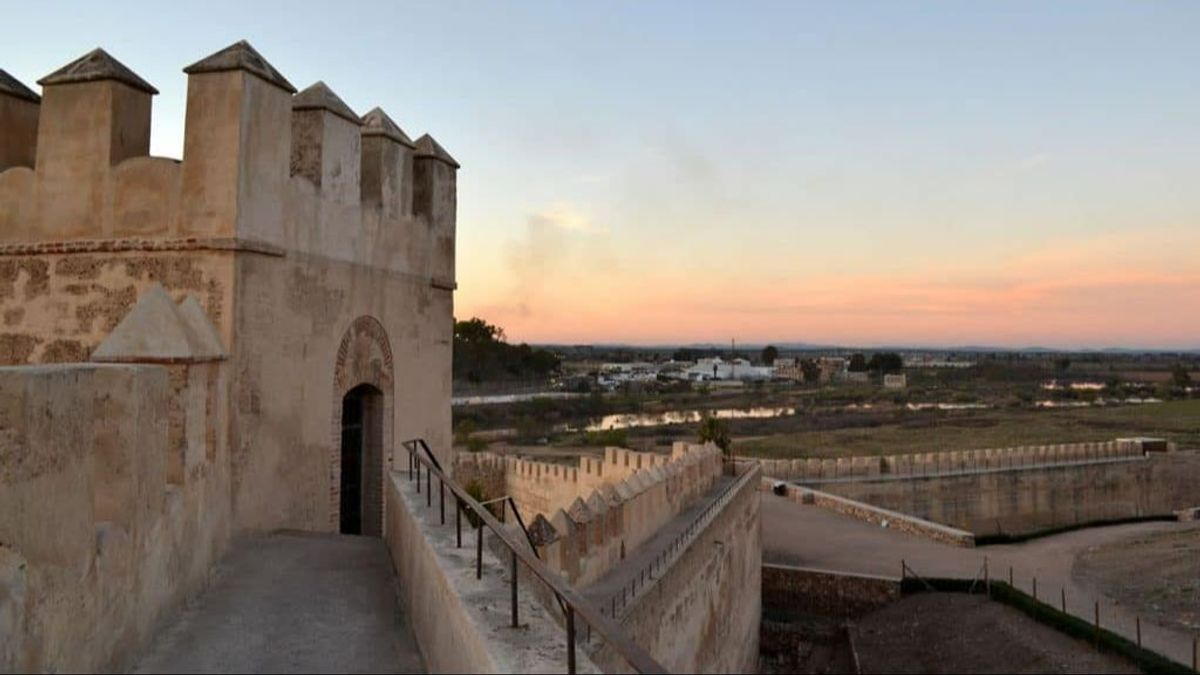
point(813, 470)
point(875, 515)
point(319, 243)
point(1028, 500)
point(790, 590)
point(315, 248)
point(604, 510)
point(113, 507)
point(547, 487)
point(702, 615)
point(462, 624)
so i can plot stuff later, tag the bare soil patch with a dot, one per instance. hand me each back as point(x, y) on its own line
point(1155, 575)
point(959, 633)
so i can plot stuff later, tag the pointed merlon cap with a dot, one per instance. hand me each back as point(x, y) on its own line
point(377, 123)
point(241, 56)
point(597, 504)
point(542, 532)
point(579, 511)
point(562, 523)
point(320, 97)
point(158, 331)
point(95, 66)
point(11, 86)
point(610, 495)
point(427, 147)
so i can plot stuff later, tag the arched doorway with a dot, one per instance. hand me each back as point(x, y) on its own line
point(361, 500)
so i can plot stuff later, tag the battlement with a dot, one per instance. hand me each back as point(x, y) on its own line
point(592, 515)
point(264, 166)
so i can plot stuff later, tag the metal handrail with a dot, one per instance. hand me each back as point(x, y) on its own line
point(675, 548)
point(573, 603)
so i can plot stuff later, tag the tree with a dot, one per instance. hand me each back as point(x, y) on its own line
point(769, 354)
point(1181, 377)
point(888, 363)
point(858, 363)
point(481, 353)
point(713, 430)
point(811, 370)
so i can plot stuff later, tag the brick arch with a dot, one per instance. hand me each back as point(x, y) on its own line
point(363, 357)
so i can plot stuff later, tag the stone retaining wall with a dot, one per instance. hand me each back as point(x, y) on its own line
point(788, 590)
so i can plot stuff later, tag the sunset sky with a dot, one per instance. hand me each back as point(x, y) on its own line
point(863, 173)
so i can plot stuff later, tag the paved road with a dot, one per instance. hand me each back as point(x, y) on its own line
point(812, 537)
point(293, 602)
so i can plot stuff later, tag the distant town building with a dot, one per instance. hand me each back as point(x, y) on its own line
point(717, 368)
point(788, 369)
point(833, 368)
point(857, 377)
point(899, 381)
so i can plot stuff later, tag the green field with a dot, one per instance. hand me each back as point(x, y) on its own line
point(1178, 421)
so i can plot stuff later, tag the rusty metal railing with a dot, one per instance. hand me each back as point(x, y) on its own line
point(573, 604)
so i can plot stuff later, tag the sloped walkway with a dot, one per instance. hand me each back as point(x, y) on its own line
point(293, 602)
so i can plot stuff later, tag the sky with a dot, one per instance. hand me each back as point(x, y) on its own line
point(860, 173)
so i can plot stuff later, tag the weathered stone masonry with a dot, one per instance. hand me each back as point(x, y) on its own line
point(296, 252)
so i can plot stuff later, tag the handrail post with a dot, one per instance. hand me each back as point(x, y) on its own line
point(514, 590)
point(570, 640)
point(458, 521)
point(428, 486)
point(442, 498)
point(479, 551)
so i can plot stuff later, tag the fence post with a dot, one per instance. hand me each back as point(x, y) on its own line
point(479, 551)
point(1064, 599)
point(1139, 631)
point(428, 485)
point(1010, 577)
point(1035, 589)
point(458, 521)
point(1097, 624)
point(442, 498)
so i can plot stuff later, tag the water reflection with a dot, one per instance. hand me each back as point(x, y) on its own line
point(631, 420)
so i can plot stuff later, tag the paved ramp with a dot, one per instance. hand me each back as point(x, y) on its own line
point(293, 602)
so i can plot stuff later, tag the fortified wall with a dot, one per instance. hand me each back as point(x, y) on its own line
point(1009, 491)
point(812, 470)
point(1029, 500)
point(294, 269)
point(588, 518)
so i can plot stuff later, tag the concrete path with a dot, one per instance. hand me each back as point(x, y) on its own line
point(809, 536)
point(293, 602)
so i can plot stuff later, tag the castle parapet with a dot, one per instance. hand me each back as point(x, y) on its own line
point(95, 113)
point(263, 169)
point(236, 146)
point(19, 108)
point(435, 197)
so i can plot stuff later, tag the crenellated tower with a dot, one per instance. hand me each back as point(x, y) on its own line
point(317, 244)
